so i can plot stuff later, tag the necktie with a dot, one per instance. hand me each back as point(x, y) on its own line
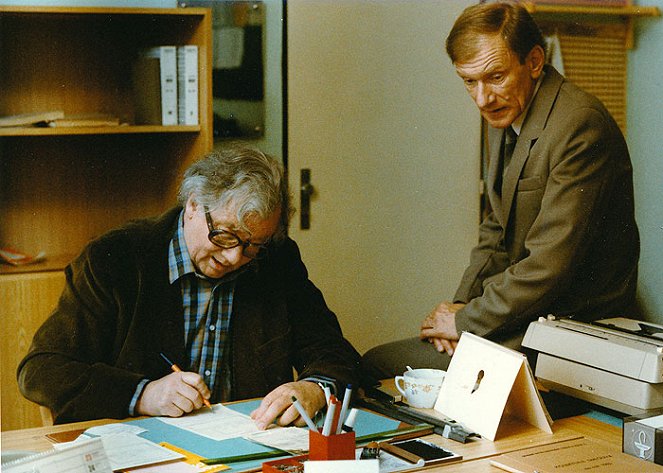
point(510, 138)
point(508, 145)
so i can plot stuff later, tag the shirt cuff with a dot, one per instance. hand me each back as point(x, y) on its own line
point(134, 399)
point(323, 381)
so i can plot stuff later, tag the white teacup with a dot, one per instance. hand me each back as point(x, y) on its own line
point(420, 386)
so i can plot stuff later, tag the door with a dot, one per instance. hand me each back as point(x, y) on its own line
point(392, 141)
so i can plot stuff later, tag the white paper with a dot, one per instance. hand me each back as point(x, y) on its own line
point(655, 422)
point(218, 423)
point(83, 457)
point(391, 463)
point(289, 439)
point(342, 466)
point(125, 450)
point(117, 428)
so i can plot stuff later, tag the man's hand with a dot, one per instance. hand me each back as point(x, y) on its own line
point(173, 395)
point(439, 327)
point(277, 405)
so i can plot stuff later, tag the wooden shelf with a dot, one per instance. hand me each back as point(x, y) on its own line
point(51, 263)
point(105, 130)
point(62, 187)
point(625, 11)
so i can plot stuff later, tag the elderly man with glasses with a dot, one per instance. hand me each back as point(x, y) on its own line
point(215, 287)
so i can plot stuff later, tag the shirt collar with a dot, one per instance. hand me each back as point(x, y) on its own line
point(517, 124)
point(179, 260)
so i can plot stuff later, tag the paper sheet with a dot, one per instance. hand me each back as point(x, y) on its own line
point(289, 439)
point(125, 450)
point(118, 428)
point(218, 423)
point(83, 457)
point(342, 466)
point(655, 422)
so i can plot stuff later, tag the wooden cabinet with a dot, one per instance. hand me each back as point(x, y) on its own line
point(61, 187)
point(27, 299)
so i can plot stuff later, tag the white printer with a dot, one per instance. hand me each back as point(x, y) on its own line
point(616, 363)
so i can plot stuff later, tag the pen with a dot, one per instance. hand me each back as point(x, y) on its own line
point(329, 418)
point(303, 413)
point(177, 369)
point(245, 457)
point(349, 423)
point(344, 407)
point(402, 434)
point(327, 392)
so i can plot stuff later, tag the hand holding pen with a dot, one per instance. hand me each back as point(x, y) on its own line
point(173, 395)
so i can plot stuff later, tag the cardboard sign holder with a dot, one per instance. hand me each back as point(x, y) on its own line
point(487, 382)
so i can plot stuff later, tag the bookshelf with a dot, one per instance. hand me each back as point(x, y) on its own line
point(61, 187)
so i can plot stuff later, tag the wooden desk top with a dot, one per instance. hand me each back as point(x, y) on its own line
point(476, 453)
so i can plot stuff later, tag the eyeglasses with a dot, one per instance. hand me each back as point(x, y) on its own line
point(227, 240)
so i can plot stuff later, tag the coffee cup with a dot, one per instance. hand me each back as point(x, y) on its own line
point(421, 386)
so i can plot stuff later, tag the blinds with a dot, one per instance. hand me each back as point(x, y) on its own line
point(595, 59)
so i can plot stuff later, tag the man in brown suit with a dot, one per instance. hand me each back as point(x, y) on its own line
point(561, 238)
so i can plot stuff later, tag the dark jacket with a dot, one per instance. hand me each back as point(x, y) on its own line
point(118, 312)
point(562, 236)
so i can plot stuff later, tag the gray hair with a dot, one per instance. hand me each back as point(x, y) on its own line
point(243, 178)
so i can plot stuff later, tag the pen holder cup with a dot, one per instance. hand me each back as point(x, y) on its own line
point(331, 447)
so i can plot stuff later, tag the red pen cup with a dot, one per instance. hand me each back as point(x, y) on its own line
point(331, 447)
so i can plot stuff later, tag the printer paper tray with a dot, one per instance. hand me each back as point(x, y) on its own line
point(600, 387)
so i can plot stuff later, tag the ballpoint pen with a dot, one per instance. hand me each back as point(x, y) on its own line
point(302, 412)
point(329, 418)
point(344, 408)
point(177, 369)
point(349, 423)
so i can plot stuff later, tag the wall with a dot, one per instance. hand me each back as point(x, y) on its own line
point(379, 116)
point(645, 140)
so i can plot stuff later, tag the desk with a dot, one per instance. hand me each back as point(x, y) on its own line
point(476, 453)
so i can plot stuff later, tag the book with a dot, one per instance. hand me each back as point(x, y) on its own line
point(187, 85)
point(154, 77)
point(32, 118)
point(91, 119)
point(146, 88)
point(571, 456)
point(81, 457)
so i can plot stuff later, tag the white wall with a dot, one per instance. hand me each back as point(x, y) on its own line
point(377, 112)
point(645, 140)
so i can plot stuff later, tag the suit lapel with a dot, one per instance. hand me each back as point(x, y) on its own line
point(535, 122)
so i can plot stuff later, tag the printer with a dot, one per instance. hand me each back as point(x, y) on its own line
point(616, 363)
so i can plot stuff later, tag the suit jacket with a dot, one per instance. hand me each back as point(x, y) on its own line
point(118, 311)
point(562, 236)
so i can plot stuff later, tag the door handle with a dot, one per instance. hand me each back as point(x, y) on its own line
point(306, 190)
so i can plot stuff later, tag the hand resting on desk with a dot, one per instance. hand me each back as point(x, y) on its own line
point(277, 405)
point(173, 395)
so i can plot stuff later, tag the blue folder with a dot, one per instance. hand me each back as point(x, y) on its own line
point(157, 431)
